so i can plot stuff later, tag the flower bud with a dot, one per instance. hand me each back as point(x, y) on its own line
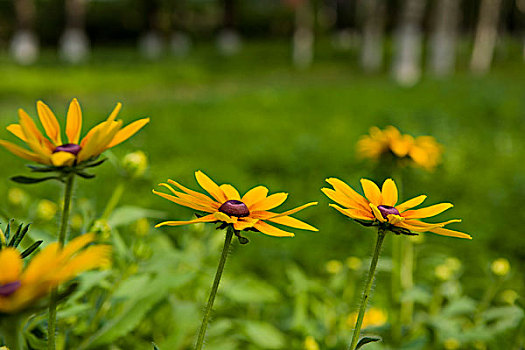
point(135, 163)
point(509, 296)
point(334, 266)
point(310, 343)
point(500, 267)
point(451, 344)
point(141, 227)
point(77, 221)
point(354, 263)
point(17, 197)
point(443, 272)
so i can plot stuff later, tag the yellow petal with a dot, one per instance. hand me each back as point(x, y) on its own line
point(377, 213)
point(185, 203)
point(339, 198)
point(208, 204)
point(34, 138)
point(394, 219)
point(270, 230)
point(450, 233)
point(428, 211)
point(244, 223)
point(193, 193)
point(77, 244)
point(389, 193)
point(272, 201)
point(93, 257)
point(23, 153)
point(11, 265)
point(295, 210)
point(207, 218)
point(254, 195)
point(411, 203)
point(115, 112)
point(292, 222)
point(354, 213)
point(340, 186)
point(372, 192)
point(74, 122)
point(230, 192)
point(62, 159)
point(128, 131)
point(16, 130)
point(211, 187)
point(49, 122)
point(224, 217)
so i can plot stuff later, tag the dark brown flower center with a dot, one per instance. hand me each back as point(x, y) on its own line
point(9, 288)
point(234, 208)
point(387, 210)
point(68, 147)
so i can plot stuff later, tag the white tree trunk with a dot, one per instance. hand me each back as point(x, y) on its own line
point(486, 35)
point(74, 42)
point(303, 38)
point(442, 58)
point(372, 46)
point(408, 43)
point(24, 47)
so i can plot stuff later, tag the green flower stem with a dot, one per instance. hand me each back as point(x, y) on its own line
point(368, 287)
point(214, 288)
point(407, 279)
point(113, 201)
point(12, 333)
point(64, 223)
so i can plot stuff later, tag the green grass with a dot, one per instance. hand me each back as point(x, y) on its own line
point(253, 119)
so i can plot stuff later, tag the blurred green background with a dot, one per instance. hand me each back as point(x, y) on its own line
point(253, 118)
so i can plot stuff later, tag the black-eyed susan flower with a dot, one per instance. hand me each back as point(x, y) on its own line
point(57, 151)
point(225, 204)
point(20, 288)
point(381, 208)
point(423, 151)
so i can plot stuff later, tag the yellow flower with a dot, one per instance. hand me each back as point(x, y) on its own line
point(20, 288)
point(380, 208)
point(354, 263)
point(424, 151)
point(500, 267)
point(374, 317)
point(334, 266)
point(46, 209)
point(310, 343)
point(53, 150)
point(226, 205)
point(17, 196)
point(451, 344)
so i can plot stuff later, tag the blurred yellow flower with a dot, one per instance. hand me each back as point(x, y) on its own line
point(354, 263)
point(380, 208)
point(453, 263)
point(509, 296)
point(247, 213)
point(17, 196)
point(20, 288)
point(451, 344)
point(142, 227)
point(46, 209)
point(135, 163)
point(500, 267)
point(77, 221)
point(310, 343)
point(374, 317)
point(443, 272)
point(423, 151)
point(53, 151)
point(334, 266)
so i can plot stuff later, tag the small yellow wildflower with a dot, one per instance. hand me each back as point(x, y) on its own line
point(374, 317)
point(46, 209)
point(423, 151)
point(310, 343)
point(509, 296)
point(53, 151)
point(77, 221)
point(251, 212)
point(17, 196)
point(500, 267)
point(20, 288)
point(451, 344)
point(334, 266)
point(354, 263)
point(142, 227)
point(380, 207)
point(443, 272)
point(135, 163)
point(453, 263)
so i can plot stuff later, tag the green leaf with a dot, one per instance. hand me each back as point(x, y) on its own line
point(366, 340)
point(250, 290)
point(41, 169)
point(262, 334)
point(155, 347)
point(31, 249)
point(33, 180)
point(85, 175)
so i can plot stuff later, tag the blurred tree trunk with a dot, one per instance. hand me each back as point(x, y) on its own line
point(74, 43)
point(372, 46)
point(229, 40)
point(344, 36)
point(303, 38)
point(151, 44)
point(486, 35)
point(180, 41)
point(24, 46)
point(408, 43)
point(442, 57)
